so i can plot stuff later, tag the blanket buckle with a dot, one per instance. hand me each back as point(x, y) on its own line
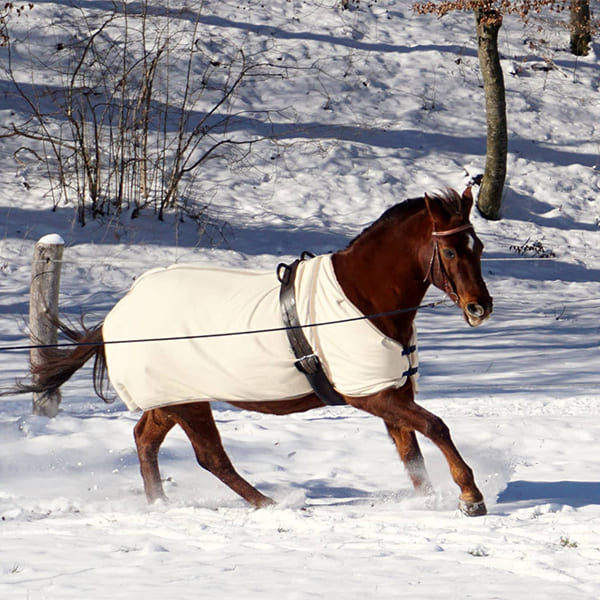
point(309, 363)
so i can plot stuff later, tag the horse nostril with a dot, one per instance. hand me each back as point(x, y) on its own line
point(475, 310)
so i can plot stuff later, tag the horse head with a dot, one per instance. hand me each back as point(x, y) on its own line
point(455, 264)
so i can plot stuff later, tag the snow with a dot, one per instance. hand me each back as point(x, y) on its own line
point(51, 239)
point(390, 107)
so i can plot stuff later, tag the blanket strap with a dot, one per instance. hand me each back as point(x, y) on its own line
point(307, 361)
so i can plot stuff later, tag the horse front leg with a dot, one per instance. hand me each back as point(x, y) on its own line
point(408, 448)
point(397, 407)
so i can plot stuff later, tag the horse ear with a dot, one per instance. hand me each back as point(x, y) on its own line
point(448, 206)
point(467, 202)
point(435, 208)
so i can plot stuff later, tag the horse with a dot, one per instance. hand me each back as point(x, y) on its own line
point(383, 275)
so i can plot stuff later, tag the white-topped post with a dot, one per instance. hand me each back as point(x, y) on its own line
point(43, 312)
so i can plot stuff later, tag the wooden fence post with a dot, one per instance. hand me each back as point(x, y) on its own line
point(43, 307)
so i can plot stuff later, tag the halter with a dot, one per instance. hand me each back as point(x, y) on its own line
point(464, 227)
point(447, 283)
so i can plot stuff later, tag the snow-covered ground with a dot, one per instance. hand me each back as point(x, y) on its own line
point(394, 109)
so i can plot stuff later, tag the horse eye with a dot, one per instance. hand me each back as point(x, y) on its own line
point(449, 253)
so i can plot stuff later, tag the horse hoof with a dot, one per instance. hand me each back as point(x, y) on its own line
point(158, 501)
point(263, 502)
point(472, 509)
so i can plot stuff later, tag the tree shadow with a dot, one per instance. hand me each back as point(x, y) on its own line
point(270, 239)
point(572, 493)
point(538, 269)
point(529, 209)
point(270, 31)
point(284, 241)
point(419, 142)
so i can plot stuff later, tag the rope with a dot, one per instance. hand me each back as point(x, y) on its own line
point(86, 262)
point(515, 258)
point(203, 336)
point(482, 389)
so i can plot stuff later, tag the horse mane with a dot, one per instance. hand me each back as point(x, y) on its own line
point(449, 198)
point(400, 210)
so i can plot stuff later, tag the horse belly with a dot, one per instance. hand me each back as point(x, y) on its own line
point(189, 301)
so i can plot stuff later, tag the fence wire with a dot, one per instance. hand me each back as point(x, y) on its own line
point(201, 336)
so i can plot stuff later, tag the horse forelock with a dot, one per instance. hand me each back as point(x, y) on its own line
point(452, 202)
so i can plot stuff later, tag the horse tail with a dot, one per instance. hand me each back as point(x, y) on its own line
point(58, 365)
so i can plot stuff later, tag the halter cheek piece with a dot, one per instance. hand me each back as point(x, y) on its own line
point(436, 260)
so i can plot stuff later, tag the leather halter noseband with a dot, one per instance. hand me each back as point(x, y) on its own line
point(447, 283)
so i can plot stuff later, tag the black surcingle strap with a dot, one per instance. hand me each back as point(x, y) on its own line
point(307, 361)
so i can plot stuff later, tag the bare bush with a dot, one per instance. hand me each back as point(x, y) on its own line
point(6, 11)
point(114, 130)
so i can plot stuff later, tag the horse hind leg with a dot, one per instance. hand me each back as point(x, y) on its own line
point(407, 445)
point(149, 434)
point(199, 425)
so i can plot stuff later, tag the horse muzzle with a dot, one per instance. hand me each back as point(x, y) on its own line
point(476, 313)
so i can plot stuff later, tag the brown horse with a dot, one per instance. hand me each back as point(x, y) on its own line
point(387, 268)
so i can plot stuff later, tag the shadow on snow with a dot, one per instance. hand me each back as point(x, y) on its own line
point(572, 493)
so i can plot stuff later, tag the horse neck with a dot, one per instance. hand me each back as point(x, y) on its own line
point(385, 269)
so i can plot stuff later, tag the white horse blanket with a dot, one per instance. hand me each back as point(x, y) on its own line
point(192, 300)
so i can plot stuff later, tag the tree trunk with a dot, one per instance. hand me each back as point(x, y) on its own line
point(581, 34)
point(490, 195)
